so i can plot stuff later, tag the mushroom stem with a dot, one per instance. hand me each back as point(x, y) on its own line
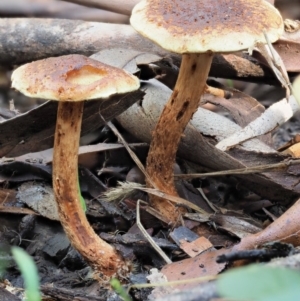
point(99, 254)
point(177, 113)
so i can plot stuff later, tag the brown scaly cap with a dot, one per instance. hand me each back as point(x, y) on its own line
point(197, 26)
point(72, 78)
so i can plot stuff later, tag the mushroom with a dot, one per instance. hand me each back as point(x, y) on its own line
point(71, 79)
point(196, 29)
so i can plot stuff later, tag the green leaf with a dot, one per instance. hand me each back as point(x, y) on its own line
point(118, 288)
point(82, 201)
point(5, 258)
point(260, 283)
point(2, 267)
point(29, 272)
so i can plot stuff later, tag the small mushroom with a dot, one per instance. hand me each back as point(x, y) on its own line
point(196, 29)
point(71, 80)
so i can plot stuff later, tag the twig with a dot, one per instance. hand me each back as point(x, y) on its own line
point(269, 214)
point(242, 171)
point(209, 203)
point(156, 214)
point(116, 6)
point(178, 282)
point(17, 210)
point(148, 237)
point(276, 63)
point(131, 153)
point(46, 156)
point(126, 188)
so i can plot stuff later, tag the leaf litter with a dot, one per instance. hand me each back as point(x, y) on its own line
point(192, 255)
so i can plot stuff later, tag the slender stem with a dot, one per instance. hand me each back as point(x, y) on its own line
point(177, 113)
point(100, 255)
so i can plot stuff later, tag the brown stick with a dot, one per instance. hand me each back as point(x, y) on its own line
point(177, 113)
point(116, 6)
point(100, 255)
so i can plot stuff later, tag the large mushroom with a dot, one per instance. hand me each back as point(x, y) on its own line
point(196, 29)
point(71, 80)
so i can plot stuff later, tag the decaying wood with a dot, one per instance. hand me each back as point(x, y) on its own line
point(54, 37)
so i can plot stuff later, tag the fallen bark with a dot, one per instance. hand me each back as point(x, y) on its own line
point(277, 114)
point(23, 40)
point(57, 9)
point(53, 37)
point(141, 118)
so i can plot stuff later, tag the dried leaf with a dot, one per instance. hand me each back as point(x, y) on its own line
point(21, 171)
point(242, 107)
point(239, 226)
point(128, 59)
point(189, 242)
point(202, 265)
point(195, 247)
point(46, 156)
point(289, 52)
point(33, 131)
point(40, 198)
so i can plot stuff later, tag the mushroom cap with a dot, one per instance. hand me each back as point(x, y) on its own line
point(198, 26)
point(72, 77)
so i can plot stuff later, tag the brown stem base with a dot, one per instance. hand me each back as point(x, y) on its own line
point(177, 113)
point(100, 255)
